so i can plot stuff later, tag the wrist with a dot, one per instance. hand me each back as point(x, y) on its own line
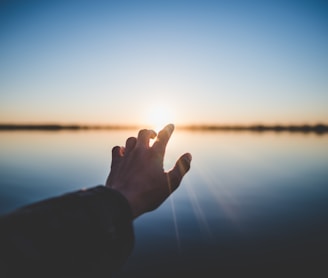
point(130, 199)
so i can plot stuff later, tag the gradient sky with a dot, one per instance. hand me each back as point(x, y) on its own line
point(203, 61)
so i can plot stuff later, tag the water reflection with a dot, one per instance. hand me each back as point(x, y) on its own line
point(251, 202)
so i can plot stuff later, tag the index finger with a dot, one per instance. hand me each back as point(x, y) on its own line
point(144, 136)
point(163, 138)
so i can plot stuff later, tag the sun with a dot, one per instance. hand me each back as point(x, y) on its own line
point(159, 115)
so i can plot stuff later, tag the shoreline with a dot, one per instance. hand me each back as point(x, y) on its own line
point(317, 128)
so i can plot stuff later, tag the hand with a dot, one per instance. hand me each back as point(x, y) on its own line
point(137, 170)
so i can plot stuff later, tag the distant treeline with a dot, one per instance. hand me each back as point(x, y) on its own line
point(55, 127)
point(318, 128)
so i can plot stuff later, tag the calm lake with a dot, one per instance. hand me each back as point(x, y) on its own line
point(252, 202)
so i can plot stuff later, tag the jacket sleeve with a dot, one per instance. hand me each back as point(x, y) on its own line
point(87, 233)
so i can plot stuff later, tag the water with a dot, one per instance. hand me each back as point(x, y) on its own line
point(251, 203)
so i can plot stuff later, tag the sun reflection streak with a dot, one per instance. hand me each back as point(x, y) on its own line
point(175, 222)
point(222, 196)
point(198, 211)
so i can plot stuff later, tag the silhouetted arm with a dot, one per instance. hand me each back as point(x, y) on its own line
point(69, 236)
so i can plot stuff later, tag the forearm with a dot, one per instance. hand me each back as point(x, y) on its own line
point(76, 233)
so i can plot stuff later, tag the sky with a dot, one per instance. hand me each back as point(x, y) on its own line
point(142, 62)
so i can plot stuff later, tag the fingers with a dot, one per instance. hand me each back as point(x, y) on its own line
point(144, 136)
point(130, 144)
point(162, 139)
point(117, 152)
point(181, 167)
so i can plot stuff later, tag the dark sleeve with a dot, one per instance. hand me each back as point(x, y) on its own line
point(87, 233)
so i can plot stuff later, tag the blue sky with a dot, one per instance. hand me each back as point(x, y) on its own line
point(200, 61)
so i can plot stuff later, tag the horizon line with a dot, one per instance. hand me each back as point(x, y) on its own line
point(305, 128)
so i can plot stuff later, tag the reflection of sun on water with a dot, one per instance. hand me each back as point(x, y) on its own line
point(159, 116)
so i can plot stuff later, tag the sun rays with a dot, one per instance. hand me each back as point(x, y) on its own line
point(159, 115)
point(210, 200)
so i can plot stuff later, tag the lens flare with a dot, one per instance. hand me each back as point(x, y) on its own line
point(158, 116)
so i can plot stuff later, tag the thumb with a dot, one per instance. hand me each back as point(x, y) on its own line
point(181, 167)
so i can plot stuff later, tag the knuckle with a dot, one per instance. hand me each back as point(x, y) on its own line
point(115, 149)
point(131, 140)
point(142, 132)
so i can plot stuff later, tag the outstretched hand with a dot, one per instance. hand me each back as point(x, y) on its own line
point(137, 170)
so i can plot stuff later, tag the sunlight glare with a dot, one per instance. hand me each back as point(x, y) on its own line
point(159, 116)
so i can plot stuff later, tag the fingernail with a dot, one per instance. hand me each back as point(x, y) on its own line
point(170, 126)
point(188, 157)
